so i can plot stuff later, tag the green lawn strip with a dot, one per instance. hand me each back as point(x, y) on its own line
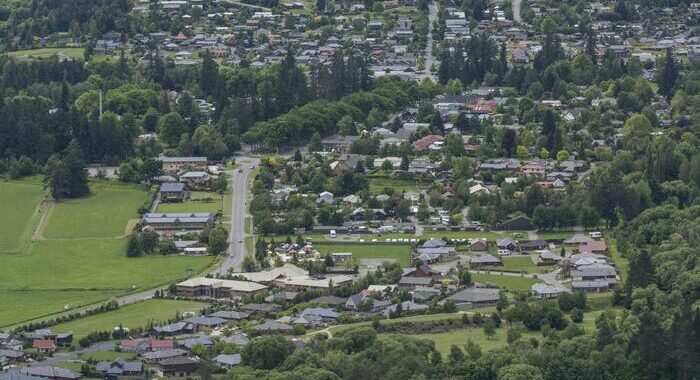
point(513, 283)
point(555, 235)
point(107, 356)
point(192, 206)
point(401, 253)
point(131, 316)
point(48, 52)
point(621, 263)
point(377, 185)
point(18, 307)
point(18, 204)
point(521, 264)
point(104, 213)
point(92, 264)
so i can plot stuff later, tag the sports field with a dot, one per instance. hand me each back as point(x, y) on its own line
point(136, 315)
point(73, 253)
point(18, 203)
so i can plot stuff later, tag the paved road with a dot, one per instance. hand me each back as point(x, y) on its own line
point(516, 10)
point(429, 58)
point(239, 187)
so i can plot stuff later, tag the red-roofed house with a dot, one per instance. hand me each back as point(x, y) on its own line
point(160, 344)
point(424, 142)
point(44, 346)
point(482, 108)
point(594, 246)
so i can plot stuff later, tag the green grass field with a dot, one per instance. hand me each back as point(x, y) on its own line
point(47, 52)
point(377, 185)
point(521, 264)
point(136, 315)
point(513, 283)
point(102, 214)
point(79, 259)
point(18, 203)
point(107, 356)
point(20, 306)
point(402, 253)
point(443, 341)
point(621, 263)
point(91, 264)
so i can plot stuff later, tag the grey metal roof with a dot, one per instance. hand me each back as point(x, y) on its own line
point(119, 366)
point(228, 360)
point(230, 314)
point(172, 187)
point(271, 325)
point(182, 159)
point(475, 295)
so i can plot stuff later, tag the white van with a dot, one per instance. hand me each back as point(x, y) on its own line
point(595, 235)
point(332, 233)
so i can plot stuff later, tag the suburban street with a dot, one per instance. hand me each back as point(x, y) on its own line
point(239, 187)
point(429, 58)
point(516, 10)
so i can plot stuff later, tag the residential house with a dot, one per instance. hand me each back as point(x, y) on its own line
point(230, 315)
point(8, 357)
point(176, 328)
point(195, 179)
point(179, 366)
point(53, 373)
point(594, 246)
point(517, 223)
point(507, 244)
point(533, 168)
point(172, 192)
point(156, 356)
point(478, 245)
point(477, 297)
point(483, 259)
point(407, 307)
point(424, 271)
point(119, 367)
point(410, 282)
point(325, 197)
point(272, 326)
point(228, 361)
point(188, 343)
point(330, 301)
point(205, 324)
point(547, 257)
point(533, 245)
point(426, 142)
point(547, 291)
point(44, 346)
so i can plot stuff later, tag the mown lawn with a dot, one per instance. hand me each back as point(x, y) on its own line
point(377, 185)
point(513, 283)
point(132, 316)
point(18, 203)
point(521, 264)
point(107, 356)
point(48, 52)
point(622, 264)
point(104, 213)
point(213, 204)
point(91, 264)
point(401, 253)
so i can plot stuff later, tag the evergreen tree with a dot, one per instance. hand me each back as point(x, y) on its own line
point(667, 75)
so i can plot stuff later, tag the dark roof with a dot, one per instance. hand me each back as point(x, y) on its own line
point(229, 360)
point(172, 187)
point(475, 295)
point(230, 314)
point(119, 366)
point(177, 360)
point(271, 325)
point(330, 300)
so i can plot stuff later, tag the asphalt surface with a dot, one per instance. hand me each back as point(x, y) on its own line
point(239, 187)
point(429, 58)
point(516, 10)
